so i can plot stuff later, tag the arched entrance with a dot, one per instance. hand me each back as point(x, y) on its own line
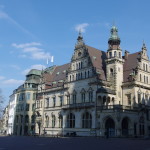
point(26, 130)
point(20, 130)
point(125, 127)
point(110, 127)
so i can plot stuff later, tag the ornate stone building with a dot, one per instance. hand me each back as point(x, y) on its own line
point(24, 121)
point(97, 93)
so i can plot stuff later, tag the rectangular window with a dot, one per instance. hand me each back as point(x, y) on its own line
point(74, 98)
point(90, 96)
point(33, 107)
point(68, 99)
point(129, 99)
point(17, 97)
point(47, 102)
point(27, 107)
point(28, 96)
point(34, 96)
point(54, 101)
point(83, 97)
point(139, 98)
point(61, 100)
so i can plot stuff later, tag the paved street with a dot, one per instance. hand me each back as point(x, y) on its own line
point(78, 143)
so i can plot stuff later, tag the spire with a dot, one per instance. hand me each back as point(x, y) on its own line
point(80, 42)
point(144, 46)
point(114, 40)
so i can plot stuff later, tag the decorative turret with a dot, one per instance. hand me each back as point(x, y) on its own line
point(114, 40)
point(80, 42)
point(114, 64)
point(144, 51)
point(144, 47)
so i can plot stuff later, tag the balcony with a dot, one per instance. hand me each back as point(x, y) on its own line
point(116, 107)
point(78, 105)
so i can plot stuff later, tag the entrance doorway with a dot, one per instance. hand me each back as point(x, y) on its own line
point(110, 127)
point(125, 127)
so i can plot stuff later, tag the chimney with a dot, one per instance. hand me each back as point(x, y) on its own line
point(126, 54)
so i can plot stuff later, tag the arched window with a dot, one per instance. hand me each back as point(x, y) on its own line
point(74, 95)
point(81, 65)
point(26, 119)
point(70, 77)
point(139, 98)
point(53, 121)
point(104, 100)
point(88, 74)
point(81, 75)
point(76, 66)
point(71, 120)
point(99, 102)
point(76, 76)
point(140, 77)
point(86, 120)
point(143, 66)
point(90, 96)
point(119, 54)
point(108, 100)
point(85, 74)
point(60, 121)
point(146, 68)
point(46, 121)
point(83, 95)
point(113, 100)
point(111, 72)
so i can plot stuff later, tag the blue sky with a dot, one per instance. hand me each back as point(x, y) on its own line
point(33, 30)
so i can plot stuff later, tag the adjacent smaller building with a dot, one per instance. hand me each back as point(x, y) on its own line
point(11, 113)
point(24, 123)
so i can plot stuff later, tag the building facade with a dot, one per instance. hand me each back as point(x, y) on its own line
point(97, 93)
point(24, 122)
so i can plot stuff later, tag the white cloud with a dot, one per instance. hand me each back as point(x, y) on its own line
point(81, 27)
point(4, 15)
point(26, 45)
point(32, 50)
point(13, 81)
point(38, 66)
point(2, 77)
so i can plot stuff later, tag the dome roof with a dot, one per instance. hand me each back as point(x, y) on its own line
point(34, 72)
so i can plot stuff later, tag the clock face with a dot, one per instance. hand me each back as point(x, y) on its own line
point(79, 54)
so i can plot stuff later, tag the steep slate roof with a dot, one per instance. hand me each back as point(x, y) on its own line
point(130, 63)
point(98, 60)
point(58, 74)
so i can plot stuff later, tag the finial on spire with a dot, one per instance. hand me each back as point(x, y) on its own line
point(144, 46)
point(80, 41)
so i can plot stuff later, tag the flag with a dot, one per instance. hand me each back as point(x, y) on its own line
point(47, 61)
point(52, 59)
